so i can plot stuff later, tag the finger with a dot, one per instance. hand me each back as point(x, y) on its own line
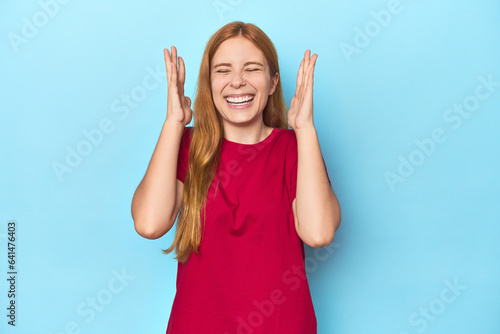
point(305, 67)
point(310, 81)
point(167, 63)
point(299, 78)
point(173, 80)
point(315, 57)
point(310, 72)
point(174, 56)
point(303, 75)
point(305, 82)
point(313, 61)
point(313, 64)
point(306, 63)
point(182, 76)
point(182, 71)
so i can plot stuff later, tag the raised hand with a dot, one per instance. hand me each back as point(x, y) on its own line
point(300, 114)
point(178, 105)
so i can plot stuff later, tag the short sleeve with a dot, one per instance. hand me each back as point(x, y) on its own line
point(293, 178)
point(182, 160)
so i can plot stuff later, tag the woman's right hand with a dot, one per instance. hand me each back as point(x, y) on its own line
point(178, 105)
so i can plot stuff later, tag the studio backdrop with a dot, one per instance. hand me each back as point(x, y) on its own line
point(407, 111)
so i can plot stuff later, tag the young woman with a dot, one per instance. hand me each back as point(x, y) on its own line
point(249, 190)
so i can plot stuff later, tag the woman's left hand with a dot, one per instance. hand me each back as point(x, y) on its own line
point(300, 114)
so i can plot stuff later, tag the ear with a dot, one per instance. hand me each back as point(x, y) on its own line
point(275, 81)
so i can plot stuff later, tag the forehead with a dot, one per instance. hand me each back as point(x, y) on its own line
point(237, 50)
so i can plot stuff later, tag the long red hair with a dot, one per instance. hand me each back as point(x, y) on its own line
point(208, 133)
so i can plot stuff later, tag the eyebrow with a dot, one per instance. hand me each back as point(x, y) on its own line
point(247, 63)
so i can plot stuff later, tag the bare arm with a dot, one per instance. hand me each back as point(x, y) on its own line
point(316, 209)
point(158, 197)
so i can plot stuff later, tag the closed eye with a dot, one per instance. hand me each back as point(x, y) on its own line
point(249, 70)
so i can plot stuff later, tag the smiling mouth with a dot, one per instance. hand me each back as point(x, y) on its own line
point(240, 101)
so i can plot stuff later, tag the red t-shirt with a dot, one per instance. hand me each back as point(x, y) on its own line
point(249, 276)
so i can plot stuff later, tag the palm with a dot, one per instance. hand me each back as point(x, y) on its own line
point(179, 106)
point(300, 114)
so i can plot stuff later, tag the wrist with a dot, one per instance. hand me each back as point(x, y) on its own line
point(305, 130)
point(173, 125)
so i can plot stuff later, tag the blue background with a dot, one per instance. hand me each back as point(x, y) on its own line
point(399, 248)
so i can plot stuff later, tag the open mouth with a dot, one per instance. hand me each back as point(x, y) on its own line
point(240, 101)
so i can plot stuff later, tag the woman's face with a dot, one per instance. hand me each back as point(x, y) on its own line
point(241, 81)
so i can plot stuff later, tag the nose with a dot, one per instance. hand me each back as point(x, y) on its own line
point(237, 80)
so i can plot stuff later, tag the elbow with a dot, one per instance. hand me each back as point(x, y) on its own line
point(150, 229)
point(319, 241)
point(331, 222)
point(322, 242)
point(326, 237)
point(337, 221)
point(147, 233)
point(150, 226)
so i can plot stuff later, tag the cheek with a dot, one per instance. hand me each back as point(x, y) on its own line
point(261, 83)
point(217, 87)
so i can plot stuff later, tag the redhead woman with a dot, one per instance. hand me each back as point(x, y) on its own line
point(247, 192)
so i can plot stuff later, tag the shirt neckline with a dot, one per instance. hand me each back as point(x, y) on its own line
point(268, 139)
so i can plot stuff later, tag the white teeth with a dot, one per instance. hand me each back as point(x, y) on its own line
point(239, 99)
